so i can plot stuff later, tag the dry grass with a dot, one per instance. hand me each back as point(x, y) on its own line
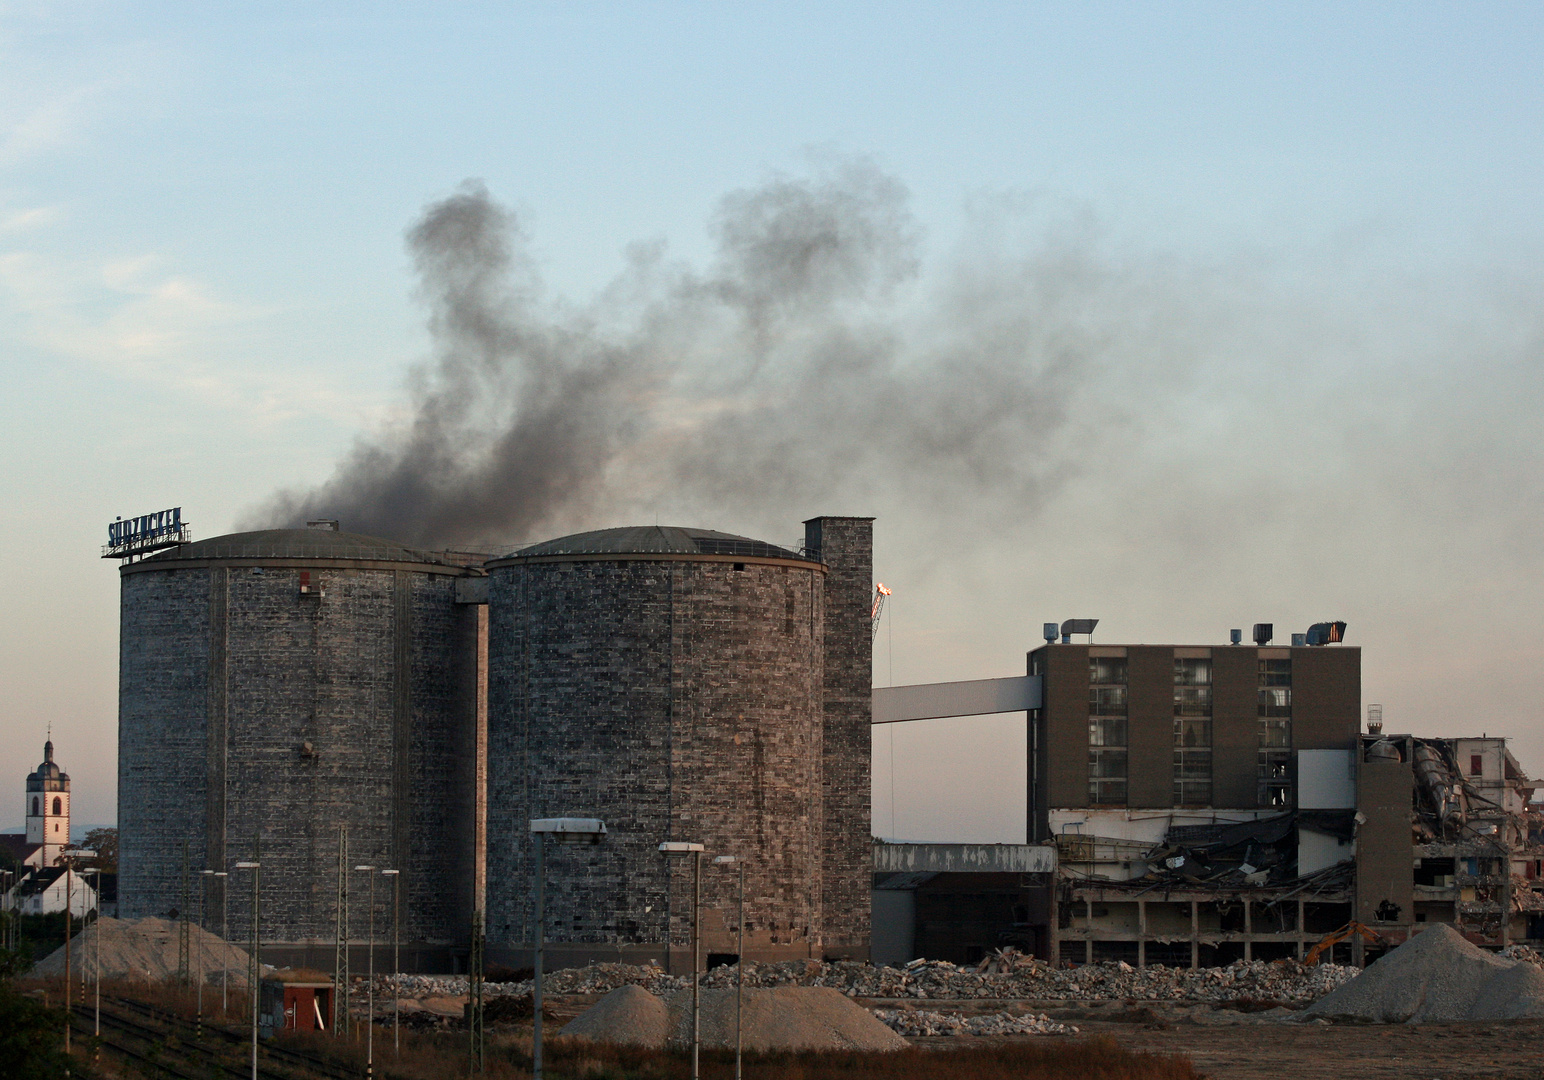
point(439, 1056)
point(442, 1055)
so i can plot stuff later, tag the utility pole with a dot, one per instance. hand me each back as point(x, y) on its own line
point(254, 967)
point(182, 923)
point(396, 964)
point(340, 957)
point(474, 998)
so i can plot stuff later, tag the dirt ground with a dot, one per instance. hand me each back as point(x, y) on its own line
point(1513, 1050)
point(1228, 1045)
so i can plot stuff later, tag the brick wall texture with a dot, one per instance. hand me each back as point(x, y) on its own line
point(846, 546)
point(675, 698)
point(688, 697)
point(226, 671)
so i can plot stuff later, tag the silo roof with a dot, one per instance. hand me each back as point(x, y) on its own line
point(290, 544)
point(657, 540)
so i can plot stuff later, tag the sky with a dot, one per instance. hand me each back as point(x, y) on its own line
point(1182, 316)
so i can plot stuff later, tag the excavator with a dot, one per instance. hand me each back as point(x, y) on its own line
point(1329, 941)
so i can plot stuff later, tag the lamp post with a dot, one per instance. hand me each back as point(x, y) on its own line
point(254, 966)
point(396, 963)
point(203, 904)
point(96, 942)
point(677, 848)
point(370, 981)
point(563, 830)
point(225, 949)
point(739, 974)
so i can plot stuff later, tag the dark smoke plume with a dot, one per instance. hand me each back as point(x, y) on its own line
point(814, 367)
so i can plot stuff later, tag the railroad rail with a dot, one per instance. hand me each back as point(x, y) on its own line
point(162, 1042)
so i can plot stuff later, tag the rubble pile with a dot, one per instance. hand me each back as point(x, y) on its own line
point(1006, 975)
point(917, 1022)
point(1524, 953)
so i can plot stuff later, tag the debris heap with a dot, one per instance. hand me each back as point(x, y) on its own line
point(920, 1022)
point(1438, 976)
point(1007, 975)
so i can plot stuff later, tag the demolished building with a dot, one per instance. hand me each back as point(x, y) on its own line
point(1218, 804)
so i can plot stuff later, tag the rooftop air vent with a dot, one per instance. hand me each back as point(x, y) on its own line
point(1263, 632)
point(1077, 626)
point(1236, 636)
point(1326, 633)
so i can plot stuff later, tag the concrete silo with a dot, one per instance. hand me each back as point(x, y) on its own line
point(673, 682)
point(284, 683)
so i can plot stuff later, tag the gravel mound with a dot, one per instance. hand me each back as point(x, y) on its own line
point(629, 1015)
point(782, 1018)
point(145, 950)
point(1437, 976)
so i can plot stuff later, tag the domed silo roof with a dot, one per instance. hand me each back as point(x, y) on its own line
point(656, 540)
point(312, 546)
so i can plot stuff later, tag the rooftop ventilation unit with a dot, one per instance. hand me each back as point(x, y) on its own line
point(1299, 639)
point(1077, 626)
point(1236, 636)
point(1049, 632)
point(1263, 632)
point(1326, 633)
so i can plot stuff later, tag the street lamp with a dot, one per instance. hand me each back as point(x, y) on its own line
point(96, 941)
point(370, 985)
point(203, 905)
point(254, 966)
point(739, 975)
point(676, 849)
point(225, 948)
point(396, 963)
point(561, 830)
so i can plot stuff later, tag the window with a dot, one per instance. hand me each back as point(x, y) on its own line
point(1192, 731)
point(1107, 730)
point(1192, 687)
point(1476, 765)
point(58, 805)
point(34, 806)
point(1274, 769)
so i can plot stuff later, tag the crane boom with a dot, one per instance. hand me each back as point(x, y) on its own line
point(876, 609)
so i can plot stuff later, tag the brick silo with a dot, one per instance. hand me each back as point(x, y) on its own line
point(284, 683)
point(672, 683)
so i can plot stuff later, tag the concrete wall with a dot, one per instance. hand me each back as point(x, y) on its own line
point(675, 699)
point(1385, 868)
point(1150, 726)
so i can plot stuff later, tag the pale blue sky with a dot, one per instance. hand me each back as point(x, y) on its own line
point(204, 296)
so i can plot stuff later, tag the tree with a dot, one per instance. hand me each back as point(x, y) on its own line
point(30, 1032)
point(105, 843)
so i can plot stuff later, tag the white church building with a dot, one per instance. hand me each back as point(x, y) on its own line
point(42, 885)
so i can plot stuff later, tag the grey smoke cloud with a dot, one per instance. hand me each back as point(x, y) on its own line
point(815, 365)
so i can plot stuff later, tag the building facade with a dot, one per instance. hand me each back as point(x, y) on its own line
point(1202, 799)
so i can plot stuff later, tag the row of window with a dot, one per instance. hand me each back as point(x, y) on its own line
point(1192, 763)
point(58, 806)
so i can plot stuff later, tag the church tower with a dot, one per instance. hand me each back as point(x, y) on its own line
point(48, 807)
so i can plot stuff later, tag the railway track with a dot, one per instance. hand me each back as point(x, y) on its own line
point(161, 1043)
